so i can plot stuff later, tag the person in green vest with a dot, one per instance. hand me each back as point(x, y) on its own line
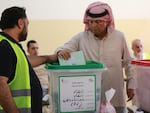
point(20, 89)
point(138, 53)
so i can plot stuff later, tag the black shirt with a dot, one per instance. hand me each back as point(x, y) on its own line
point(8, 62)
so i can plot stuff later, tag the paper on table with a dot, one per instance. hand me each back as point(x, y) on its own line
point(77, 58)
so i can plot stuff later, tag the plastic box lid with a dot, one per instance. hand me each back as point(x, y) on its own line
point(141, 62)
point(88, 65)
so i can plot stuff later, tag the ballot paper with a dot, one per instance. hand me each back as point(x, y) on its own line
point(77, 58)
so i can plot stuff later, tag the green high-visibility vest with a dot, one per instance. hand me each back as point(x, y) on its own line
point(20, 85)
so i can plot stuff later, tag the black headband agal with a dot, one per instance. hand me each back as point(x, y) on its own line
point(96, 15)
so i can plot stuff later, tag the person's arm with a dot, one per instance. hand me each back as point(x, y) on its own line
point(70, 46)
point(129, 71)
point(7, 62)
point(6, 99)
point(38, 60)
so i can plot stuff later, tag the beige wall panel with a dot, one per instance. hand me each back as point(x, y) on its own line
point(52, 33)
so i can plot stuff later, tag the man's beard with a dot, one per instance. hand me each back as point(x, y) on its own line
point(23, 34)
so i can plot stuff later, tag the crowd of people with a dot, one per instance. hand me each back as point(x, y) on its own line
point(24, 84)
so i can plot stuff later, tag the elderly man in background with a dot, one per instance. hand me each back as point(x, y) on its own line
point(138, 53)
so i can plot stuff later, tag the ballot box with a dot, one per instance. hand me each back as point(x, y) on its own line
point(142, 99)
point(75, 88)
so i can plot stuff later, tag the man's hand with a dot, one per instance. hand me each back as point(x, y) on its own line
point(64, 54)
point(130, 94)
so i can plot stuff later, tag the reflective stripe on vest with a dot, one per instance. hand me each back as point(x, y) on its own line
point(20, 85)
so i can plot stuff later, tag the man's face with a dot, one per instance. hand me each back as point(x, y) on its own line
point(97, 26)
point(24, 32)
point(33, 49)
point(138, 47)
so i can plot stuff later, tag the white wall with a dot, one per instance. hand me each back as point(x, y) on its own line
point(48, 18)
point(74, 9)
